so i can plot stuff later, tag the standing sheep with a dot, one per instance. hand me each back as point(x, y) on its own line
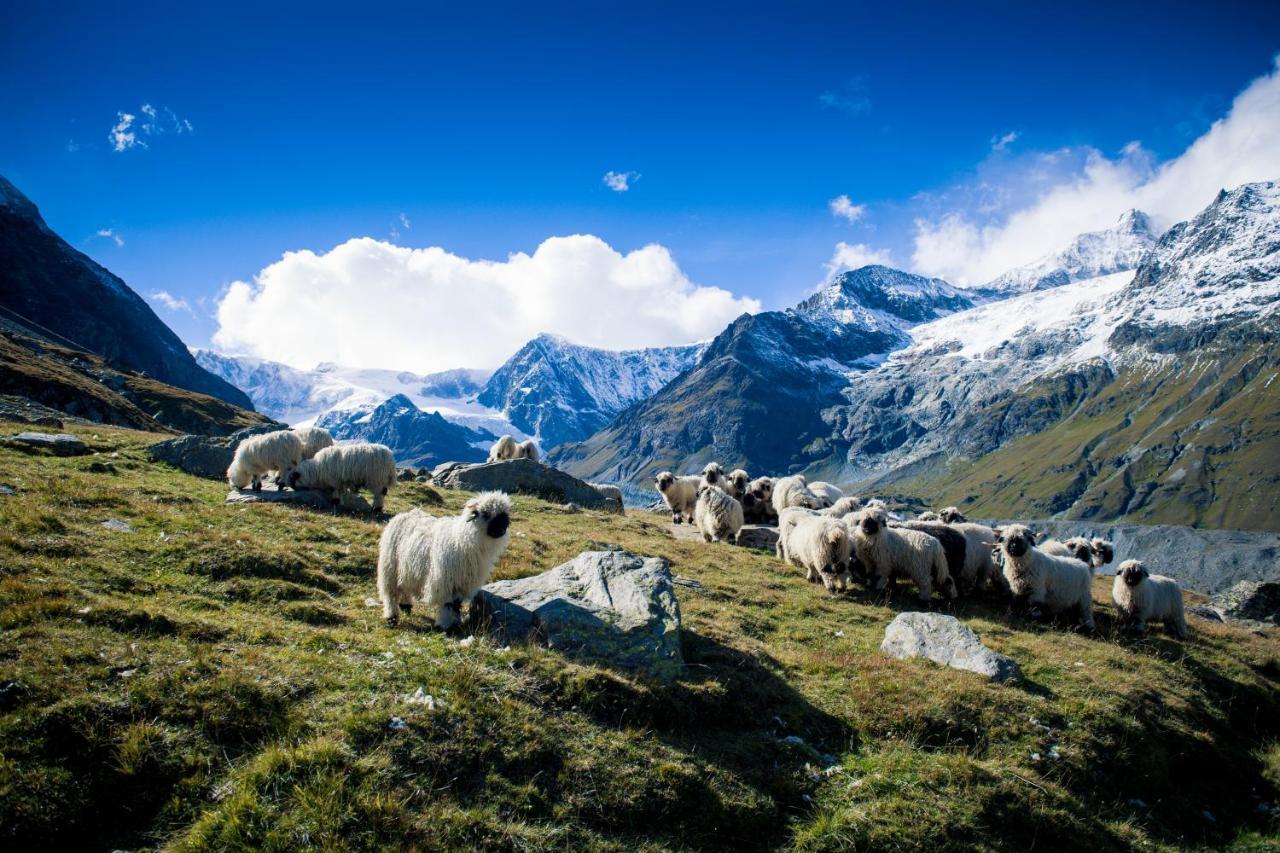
point(757, 503)
point(314, 439)
point(826, 492)
point(1060, 584)
point(793, 492)
point(954, 545)
point(979, 566)
point(347, 468)
point(527, 449)
point(680, 493)
point(952, 515)
point(259, 455)
point(1103, 552)
point(1142, 597)
point(890, 552)
point(820, 545)
point(504, 448)
point(608, 491)
point(739, 480)
point(1078, 547)
point(441, 562)
point(713, 475)
point(717, 515)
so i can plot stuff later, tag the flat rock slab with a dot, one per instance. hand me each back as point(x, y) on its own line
point(945, 640)
point(605, 607)
point(205, 456)
point(761, 536)
point(60, 444)
point(525, 477)
point(297, 497)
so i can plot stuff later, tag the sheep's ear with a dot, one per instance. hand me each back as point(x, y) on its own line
point(1031, 536)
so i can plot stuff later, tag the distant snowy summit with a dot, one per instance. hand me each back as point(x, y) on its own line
point(1096, 253)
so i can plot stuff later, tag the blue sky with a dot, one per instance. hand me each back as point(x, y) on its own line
point(492, 130)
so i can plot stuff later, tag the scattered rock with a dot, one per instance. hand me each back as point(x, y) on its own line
point(945, 640)
point(524, 477)
point(1207, 612)
point(204, 455)
point(609, 607)
point(1253, 601)
point(442, 470)
point(7, 490)
point(60, 444)
point(100, 468)
point(11, 694)
point(763, 537)
point(421, 697)
point(404, 475)
point(397, 724)
point(117, 525)
point(298, 497)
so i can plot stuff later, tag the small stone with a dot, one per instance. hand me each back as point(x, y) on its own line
point(83, 610)
point(6, 490)
point(60, 444)
point(794, 740)
point(839, 633)
point(421, 697)
point(397, 724)
point(117, 525)
point(466, 641)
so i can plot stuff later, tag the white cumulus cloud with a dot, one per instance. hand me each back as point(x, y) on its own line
point(368, 303)
point(111, 235)
point(1050, 197)
point(851, 256)
point(843, 207)
point(620, 182)
point(171, 302)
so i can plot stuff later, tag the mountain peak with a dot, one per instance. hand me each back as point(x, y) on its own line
point(12, 200)
point(876, 294)
point(1094, 253)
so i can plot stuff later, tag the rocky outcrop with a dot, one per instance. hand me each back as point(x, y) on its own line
point(203, 455)
point(945, 640)
point(760, 536)
point(525, 477)
point(611, 608)
point(1249, 601)
point(59, 444)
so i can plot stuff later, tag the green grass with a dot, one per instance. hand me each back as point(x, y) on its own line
point(215, 680)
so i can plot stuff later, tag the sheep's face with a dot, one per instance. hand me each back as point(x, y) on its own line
point(713, 472)
point(1016, 539)
point(664, 481)
point(871, 523)
point(490, 513)
point(929, 516)
point(1133, 572)
point(762, 489)
point(1103, 552)
point(1081, 550)
point(951, 515)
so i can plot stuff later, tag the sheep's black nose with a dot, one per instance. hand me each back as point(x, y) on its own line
point(498, 525)
point(1017, 547)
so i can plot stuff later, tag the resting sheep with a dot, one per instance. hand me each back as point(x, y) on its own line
point(793, 492)
point(888, 552)
point(1142, 597)
point(258, 455)
point(680, 493)
point(441, 562)
point(503, 448)
point(1060, 584)
point(820, 545)
point(348, 468)
point(717, 514)
point(757, 503)
point(826, 492)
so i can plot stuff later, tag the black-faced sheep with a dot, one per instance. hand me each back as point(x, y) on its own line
point(739, 480)
point(954, 545)
point(713, 475)
point(1078, 547)
point(717, 514)
point(1142, 597)
point(680, 493)
point(504, 448)
point(793, 492)
point(1103, 552)
point(843, 507)
point(979, 566)
point(259, 455)
point(892, 552)
point(441, 562)
point(821, 546)
point(757, 503)
point(348, 468)
point(952, 515)
point(928, 515)
point(1062, 585)
point(314, 439)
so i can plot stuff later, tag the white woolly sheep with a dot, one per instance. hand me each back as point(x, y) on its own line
point(739, 479)
point(347, 468)
point(887, 552)
point(826, 492)
point(1060, 584)
point(527, 449)
point(503, 448)
point(786, 522)
point(608, 491)
point(979, 567)
point(680, 493)
point(1077, 547)
point(314, 439)
point(1103, 552)
point(757, 503)
point(258, 455)
point(952, 515)
point(928, 515)
point(876, 503)
point(821, 546)
point(843, 507)
point(717, 514)
point(441, 562)
point(1142, 597)
point(793, 492)
point(713, 475)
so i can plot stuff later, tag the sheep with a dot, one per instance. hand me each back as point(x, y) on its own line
point(348, 468)
point(504, 448)
point(887, 552)
point(954, 546)
point(1060, 584)
point(739, 479)
point(441, 562)
point(608, 491)
point(258, 455)
point(792, 492)
point(528, 449)
point(952, 515)
point(876, 503)
point(1078, 547)
point(757, 503)
point(820, 545)
point(680, 493)
point(713, 475)
point(827, 493)
point(786, 522)
point(717, 514)
point(1103, 552)
point(843, 507)
point(979, 566)
point(314, 439)
point(1141, 597)
point(928, 515)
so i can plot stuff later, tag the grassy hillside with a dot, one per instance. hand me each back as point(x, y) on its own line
point(1175, 443)
point(214, 680)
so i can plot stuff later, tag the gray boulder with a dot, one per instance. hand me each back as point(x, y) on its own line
point(945, 640)
point(205, 456)
point(60, 444)
point(525, 477)
point(761, 536)
point(606, 607)
point(1253, 601)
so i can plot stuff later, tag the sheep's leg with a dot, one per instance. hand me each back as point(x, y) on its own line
point(378, 499)
point(257, 483)
point(389, 590)
point(675, 518)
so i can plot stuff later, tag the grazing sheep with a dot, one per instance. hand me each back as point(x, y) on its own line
point(680, 493)
point(314, 439)
point(608, 491)
point(348, 468)
point(757, 503)
point(1060, 584)
point(739, 479)
point(528, 449)
point(1077, 547)
point(793, 492)
point(713, 475)
point(954, 546)
point(1103, 552)
point(820, 545)
point(888, 552)
point(503, 448)
point(441, 562)
point(843, 507)
point(1141, 597)
point(258, 455)
point(928, 515)
point(717, 514)
point(827, 493)
point(952, 515)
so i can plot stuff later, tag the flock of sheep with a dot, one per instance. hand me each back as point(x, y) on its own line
point(838, 539)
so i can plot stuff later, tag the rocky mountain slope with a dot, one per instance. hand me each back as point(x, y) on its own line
point(50, 287)
point(416, 437)
point(758, 394)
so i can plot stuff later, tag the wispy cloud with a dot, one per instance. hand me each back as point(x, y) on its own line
point(171, 302)
point(404, 221)
point(852, 97)
point(851, 256)
point(111, 235)
point(122, 136)
point(843, 207)
point(129, 130)
point(620, 182)
point(1000, 143)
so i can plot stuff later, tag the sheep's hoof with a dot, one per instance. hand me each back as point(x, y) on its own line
point(392, 621)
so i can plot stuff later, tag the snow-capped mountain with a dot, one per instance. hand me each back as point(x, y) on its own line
point(559, 391)
point(1097, 253)
point(416, 437)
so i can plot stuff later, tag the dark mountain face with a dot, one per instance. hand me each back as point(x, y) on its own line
point(415, 437)
point(52, 287)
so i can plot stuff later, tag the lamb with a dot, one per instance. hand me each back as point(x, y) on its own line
point(717, 515)
point(503, 448)
point(843, 507)
point(827, 493)
point(1141, 597)
point(757, 503)
point(441, 562)
point(258, 455)
point(739, 479)
point(608, 491)
point(348, 468)
point(527, 449)
point(314, 439)
point(952, 515)
point(820, 545)
point(680, 493)
point(1078, 547)
point(887, 552)
point(793, 492)
point(928, 515)
point(1060, 584)
point(713, 475)
point(954, 546)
